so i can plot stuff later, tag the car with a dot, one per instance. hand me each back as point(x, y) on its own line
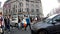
point(51, 25)
point(14, 21)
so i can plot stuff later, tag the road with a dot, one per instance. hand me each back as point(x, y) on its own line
point(20, 31)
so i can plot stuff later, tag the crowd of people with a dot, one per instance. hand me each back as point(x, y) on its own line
point(22, 23)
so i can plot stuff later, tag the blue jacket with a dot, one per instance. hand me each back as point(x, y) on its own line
point(28, 20)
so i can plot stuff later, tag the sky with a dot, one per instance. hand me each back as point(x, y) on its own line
point(2, 2)
point(47, 5)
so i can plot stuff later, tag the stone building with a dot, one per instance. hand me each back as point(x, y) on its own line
point(23, 7)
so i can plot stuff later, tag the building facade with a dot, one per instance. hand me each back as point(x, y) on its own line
point(23, 7)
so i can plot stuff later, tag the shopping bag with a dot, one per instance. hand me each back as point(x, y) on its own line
point(25, 25)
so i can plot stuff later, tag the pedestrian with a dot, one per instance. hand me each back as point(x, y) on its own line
point(24, 23)
point(31, 19)
point(19, 22)
point(36, 19)
point(28, 22)
point(8, 23)
point(1, 23)
point(5, 21)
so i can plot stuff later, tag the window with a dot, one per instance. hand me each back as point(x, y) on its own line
point(27, 9)
point(56, 18)
point(16, 6)
point(37, 10)
point(32, 5)
point(6, 12)
point(20, 10)
point(16, 10)
point(22, 0)
point(37, 5)
point(13, 9)
point(27, 0)
point(27, 4)
point(21, 4)
point(32, 10)
point(47, 21)
point(9, 10)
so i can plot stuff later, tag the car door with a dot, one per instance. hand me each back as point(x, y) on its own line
point(56, 20)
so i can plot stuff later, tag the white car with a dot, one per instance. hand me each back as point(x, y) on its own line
point(14, 22)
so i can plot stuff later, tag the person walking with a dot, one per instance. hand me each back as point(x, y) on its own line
point(19, 22)
point(28, 22)
point(8, 23)
point(24, 23)
point(31, 19)
point(1, 23)
point(5, 21)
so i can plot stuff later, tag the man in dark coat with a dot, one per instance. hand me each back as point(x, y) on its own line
point(8, 23)
point(5, 21)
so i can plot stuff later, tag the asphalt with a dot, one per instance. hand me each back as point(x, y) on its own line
point(18, 31)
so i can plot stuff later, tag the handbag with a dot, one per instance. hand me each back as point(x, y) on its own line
point(24, 23)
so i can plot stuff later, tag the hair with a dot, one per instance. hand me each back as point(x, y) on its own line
point(0, 13)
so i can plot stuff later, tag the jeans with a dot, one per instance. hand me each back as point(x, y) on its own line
point(8, 27)
point(29, 26)
point(19, 25)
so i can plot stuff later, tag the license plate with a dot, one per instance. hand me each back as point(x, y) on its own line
point(1, 30)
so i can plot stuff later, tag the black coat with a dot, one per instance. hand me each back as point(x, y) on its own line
point(8, 21)
point(5, 21)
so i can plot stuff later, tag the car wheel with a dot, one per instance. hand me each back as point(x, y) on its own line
point(2, 33)
point(43, 32)
point(32, 32)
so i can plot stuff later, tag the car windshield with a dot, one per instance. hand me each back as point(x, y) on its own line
point(47, 21)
